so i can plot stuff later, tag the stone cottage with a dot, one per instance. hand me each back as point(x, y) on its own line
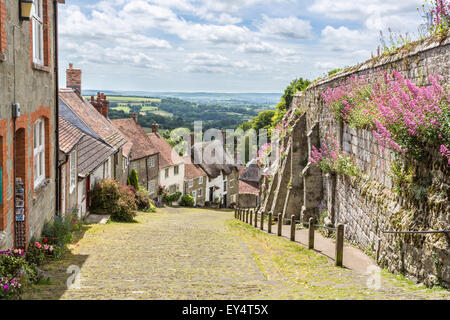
point(171, 165)
point(92, 119)
point(249, 186)
point(143, 156)
point(195, 180)
point(80, 156)
point(28, 120)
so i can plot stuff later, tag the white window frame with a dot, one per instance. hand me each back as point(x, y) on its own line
point(124, 163)
point(200, 180)
point(167, 173)
point(194, 194)
point(191, 183)
point(73, 171)
point(152, 162)
point(199, 193)
point(152, 187)
point(37, 21)
point(39, 151)
point(176, 170)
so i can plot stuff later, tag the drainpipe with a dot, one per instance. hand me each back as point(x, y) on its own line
point(56, 65)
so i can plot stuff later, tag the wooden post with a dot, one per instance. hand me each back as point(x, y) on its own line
point(256, 219)
point(340, 245)
point(293, 228)
point(269, 226)
point(311, 234)
point(235, 212)
point(247, 215)
point(251, 217)
point(280, 224)
point(262, 220)
point(240, 214)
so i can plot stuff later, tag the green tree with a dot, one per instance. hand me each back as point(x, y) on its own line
point(134, 180)
point(263, 120)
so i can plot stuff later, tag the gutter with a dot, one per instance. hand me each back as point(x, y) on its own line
point(56, 72)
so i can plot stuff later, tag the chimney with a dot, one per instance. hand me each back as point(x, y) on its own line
point(155, 128)
point(101, 104)
point(134, 116)
point(73, 78)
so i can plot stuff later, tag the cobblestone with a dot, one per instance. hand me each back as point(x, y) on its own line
point(201, 254)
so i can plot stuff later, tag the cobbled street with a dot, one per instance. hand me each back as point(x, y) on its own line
point(202, 254)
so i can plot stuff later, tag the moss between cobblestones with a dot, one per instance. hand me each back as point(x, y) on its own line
point(182, 253)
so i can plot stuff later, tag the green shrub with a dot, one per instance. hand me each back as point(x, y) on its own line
point(35, 255)
point(187, 201)
point(169, 199)
point(134, 179)
point(16, 274)
point(143, 200)
point(109, 197)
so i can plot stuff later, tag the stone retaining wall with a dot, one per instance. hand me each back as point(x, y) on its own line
point(369, 207)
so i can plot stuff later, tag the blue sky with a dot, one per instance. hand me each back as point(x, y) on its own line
point(221, 46)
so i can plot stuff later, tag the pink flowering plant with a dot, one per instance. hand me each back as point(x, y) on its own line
point(437, 13)
point(330, 159)
point(402, 116)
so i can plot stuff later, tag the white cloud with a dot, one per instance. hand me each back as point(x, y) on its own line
point(143, 42)
point(288, 28)
point(216, 63)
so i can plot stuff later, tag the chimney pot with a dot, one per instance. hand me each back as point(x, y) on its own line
point(73, 78)
point(134, 116)
point(155, 128)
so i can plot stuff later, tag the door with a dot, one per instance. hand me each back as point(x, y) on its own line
point(88, 195)
point(211, 194)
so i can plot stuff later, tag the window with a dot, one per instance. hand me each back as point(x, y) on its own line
point(191, 183)
point(167, 173)
point(200, 180)
point(194, 194)
point(125, 163)
point(38, 32)
point(225, 186)
point(200, 192)
point(39, 152)
point(73, 170)
point(152, 162)
point(176, 170)
point(151, 187)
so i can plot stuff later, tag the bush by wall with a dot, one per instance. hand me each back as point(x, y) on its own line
point(109, 197)
point(187, 201)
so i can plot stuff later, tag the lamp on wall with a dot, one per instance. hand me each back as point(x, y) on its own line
point(25, 9)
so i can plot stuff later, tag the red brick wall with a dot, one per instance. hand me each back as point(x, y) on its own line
point(2, 26)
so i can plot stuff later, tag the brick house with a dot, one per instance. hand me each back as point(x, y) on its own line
point(91, 118)
point(28, 141)
point(195, 180)
point(171, 165)
point(143, 156)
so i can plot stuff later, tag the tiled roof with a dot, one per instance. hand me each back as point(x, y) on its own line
point(191, 170)
point(68, 135)
point(91, 154)
point(248, 188)
point(92, 118)
point(70, 116)
point(141, 144)
point(214, 169)
point(250, 174)
point(167, 158)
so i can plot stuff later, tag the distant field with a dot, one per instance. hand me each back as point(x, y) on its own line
point(125, 99)
point(162, 113)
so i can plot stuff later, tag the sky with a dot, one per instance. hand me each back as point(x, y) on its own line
point(222, 46)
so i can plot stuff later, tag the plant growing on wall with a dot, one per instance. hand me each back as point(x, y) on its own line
point(437, 16)
point(331, 159)
point(402, 116)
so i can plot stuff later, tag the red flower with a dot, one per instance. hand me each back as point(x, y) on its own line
point(53, 239)
point(45, 240)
